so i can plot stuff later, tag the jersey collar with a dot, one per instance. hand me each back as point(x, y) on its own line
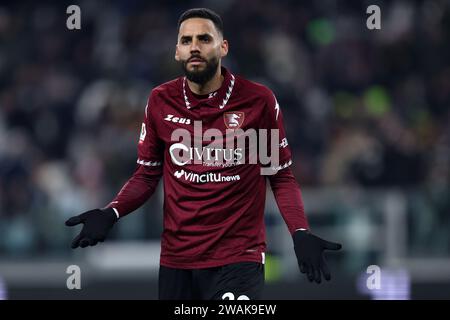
point(220, 100)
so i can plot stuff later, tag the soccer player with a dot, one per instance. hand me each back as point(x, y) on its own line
point(213, 239)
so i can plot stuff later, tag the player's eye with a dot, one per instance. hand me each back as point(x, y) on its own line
point(185, 40)
point(205, 39)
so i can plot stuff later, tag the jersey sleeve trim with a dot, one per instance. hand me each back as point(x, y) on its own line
point(149, 163)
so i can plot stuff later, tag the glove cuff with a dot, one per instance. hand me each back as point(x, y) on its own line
point(300, 234)
point(111, 214)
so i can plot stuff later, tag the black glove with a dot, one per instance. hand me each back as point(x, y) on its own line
point(309, 251)
point(96, 225)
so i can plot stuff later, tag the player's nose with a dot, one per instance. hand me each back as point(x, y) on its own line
point(195, 47)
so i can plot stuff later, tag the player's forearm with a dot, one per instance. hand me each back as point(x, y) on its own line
point(289, 199)
point(136, 191)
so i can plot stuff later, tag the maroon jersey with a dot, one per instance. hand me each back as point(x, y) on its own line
point(214, 195)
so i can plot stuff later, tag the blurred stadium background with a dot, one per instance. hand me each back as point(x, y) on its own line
point(367, 115)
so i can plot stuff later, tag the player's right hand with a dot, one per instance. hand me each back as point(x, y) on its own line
point(96, 225)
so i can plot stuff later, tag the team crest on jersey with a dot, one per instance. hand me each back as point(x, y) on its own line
point(233, 120)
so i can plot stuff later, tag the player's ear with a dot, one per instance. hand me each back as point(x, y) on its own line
point(177, 54)
point(224, 48)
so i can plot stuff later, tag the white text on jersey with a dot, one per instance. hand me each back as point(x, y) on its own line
point(172, 118)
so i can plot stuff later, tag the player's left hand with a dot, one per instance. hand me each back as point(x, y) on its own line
point(309, 251)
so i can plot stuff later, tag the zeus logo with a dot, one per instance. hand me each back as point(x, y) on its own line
point(170, 117)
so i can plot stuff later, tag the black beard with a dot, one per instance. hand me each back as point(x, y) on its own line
point(201, 77)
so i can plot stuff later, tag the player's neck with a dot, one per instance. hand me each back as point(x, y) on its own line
point(212, 85)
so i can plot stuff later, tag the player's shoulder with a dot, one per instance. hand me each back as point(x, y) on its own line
point(159, 94)
point(255, 89)
point(169, 88)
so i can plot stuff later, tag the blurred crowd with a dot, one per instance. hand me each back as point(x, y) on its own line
point(363, 108)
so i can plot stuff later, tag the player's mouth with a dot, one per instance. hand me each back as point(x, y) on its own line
point(196, 61)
